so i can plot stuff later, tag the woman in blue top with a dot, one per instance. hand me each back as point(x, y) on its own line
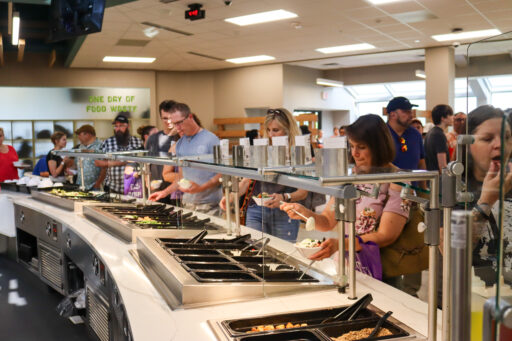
point(269, 218)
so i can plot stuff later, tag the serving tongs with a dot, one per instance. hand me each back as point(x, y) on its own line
point(197, 238)
point(240, 239)
point(257, 241)
point(381, 321)
point(351, 312)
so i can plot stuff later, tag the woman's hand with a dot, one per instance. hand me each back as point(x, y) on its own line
point(157, 196)
point(329, 247)
point(491, 184)
point(275, 200)
point(289, 207)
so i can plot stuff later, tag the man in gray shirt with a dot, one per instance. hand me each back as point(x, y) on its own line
point(202, 192)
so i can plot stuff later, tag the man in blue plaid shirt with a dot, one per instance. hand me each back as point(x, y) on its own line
point(121, 141)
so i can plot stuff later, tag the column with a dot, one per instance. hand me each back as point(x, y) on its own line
point(440, 72)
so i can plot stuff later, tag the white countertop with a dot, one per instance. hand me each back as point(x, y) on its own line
point(152, 319)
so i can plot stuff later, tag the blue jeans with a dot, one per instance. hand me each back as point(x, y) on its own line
point(272, 221)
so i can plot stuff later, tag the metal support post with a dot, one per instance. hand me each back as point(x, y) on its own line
point(461, 255)
point(432, 219)
point(81, 165)
point(234, 187)
point(144, 172)
point(350, 217)
point(339, 210)
point(226, 184)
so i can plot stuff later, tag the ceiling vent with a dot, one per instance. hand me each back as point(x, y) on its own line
point(415, 16)
point(167, 1)
point(162, 27)
point(330, 64)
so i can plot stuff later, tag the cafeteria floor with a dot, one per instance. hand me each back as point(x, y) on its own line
point(28, 308)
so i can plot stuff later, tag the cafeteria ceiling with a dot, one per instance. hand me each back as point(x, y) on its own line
point(399, 31)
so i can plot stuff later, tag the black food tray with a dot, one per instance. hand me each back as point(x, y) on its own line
point(24, 189)
point(311, 318)
point(297, 335)
point(195, 252)
point(203, 259)
point(269, 267)
point(256, 259)
point(9, 186)
point(339, 329)
point(223, 276)
point(205, 246)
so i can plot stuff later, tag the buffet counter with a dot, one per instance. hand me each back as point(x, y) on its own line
point(151, 318)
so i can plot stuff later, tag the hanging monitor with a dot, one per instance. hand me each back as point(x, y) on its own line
point(72, 18)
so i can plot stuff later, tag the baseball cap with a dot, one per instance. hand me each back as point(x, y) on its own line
point(121, 119)
point(86, 128)
point(399, 103)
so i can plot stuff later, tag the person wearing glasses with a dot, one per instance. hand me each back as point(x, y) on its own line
point(202, 192)
point(459, 127)
point(121, 141)
point(269, 218)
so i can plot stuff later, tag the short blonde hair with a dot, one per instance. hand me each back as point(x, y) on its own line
point(285, 120)
point(57, 136)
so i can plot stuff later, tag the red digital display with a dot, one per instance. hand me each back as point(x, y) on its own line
point(195, 12)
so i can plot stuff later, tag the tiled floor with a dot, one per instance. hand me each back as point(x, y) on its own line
point(28, 308)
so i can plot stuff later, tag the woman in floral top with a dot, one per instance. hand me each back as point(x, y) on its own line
point(379, 220)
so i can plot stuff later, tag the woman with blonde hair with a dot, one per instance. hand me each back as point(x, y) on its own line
point(7, 156)
point(269, 218)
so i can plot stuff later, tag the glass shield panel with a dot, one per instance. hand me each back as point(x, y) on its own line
point(488, 178)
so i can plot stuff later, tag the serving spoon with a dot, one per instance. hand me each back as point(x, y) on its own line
point(310, 222)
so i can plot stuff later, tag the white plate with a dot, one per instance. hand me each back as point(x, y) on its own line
point(260, 201)
point(307, 251)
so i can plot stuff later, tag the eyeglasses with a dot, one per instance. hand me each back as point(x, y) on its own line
point(460, 119)
point(403, 148)
point(179, 122)
point(119, 126)
point(276, 112)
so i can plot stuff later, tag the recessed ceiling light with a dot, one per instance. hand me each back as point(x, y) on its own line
point(416, 41)
point(250, 59)
point(346, 48)
point(262, 17)
point(466, 35)
point(128, 59)
point(381, 2)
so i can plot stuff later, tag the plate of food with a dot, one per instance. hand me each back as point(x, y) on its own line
point(308, 247)
point(261, 198)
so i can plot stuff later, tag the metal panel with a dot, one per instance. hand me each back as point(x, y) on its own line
point(50, 264)
point(97, 314)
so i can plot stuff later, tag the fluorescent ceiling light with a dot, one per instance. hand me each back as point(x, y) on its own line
point(262, 17)
point(250, 59)
point(15, 28)
point(466, 35)
point(420, 74)
point(381, 2)
point(346, 48)
point(128, 59)
point(329, 82)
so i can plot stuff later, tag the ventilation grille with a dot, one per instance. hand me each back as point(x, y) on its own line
point(167, 28)
point(97, 315)
point(51, 265)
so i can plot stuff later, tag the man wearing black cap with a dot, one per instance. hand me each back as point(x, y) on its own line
point(410, 153)
point(121, 141)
